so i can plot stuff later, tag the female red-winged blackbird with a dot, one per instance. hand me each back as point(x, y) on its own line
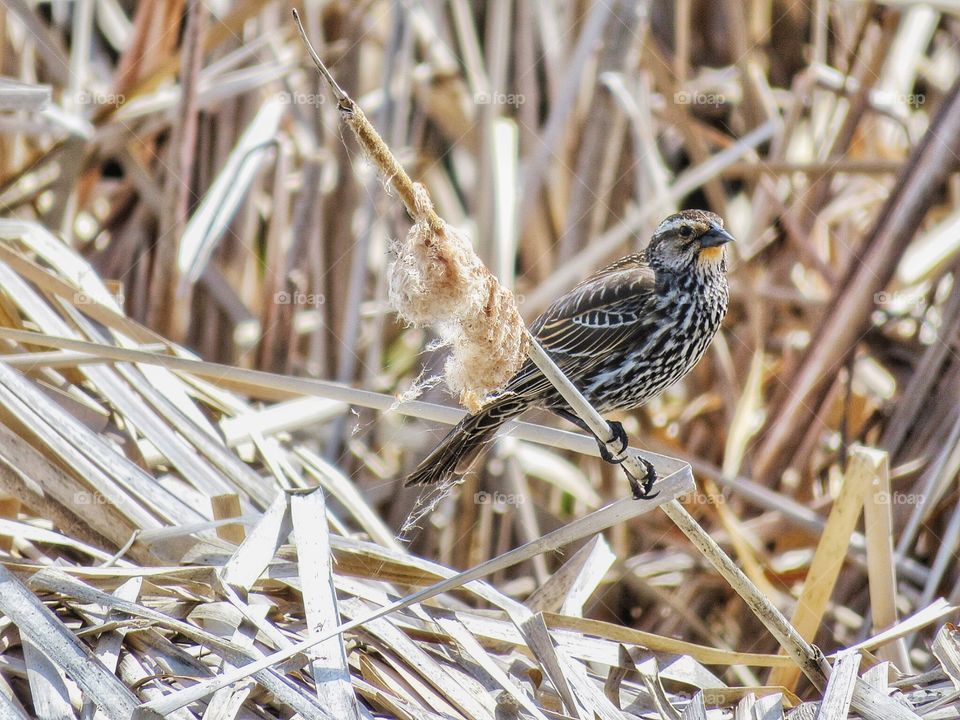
point(622, 336)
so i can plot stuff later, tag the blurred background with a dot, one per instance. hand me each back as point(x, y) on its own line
point(191, 154)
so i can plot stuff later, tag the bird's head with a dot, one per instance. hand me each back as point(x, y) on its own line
point(689, 240)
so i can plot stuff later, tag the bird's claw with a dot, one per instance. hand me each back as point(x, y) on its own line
point(641, 491)
point(618, 435)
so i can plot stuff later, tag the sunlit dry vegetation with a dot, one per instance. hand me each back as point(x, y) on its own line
point(209, 405)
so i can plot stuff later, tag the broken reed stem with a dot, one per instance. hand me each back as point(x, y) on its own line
point(802, 653)
point(372, 143)
point(271, 386)
point(807, 658)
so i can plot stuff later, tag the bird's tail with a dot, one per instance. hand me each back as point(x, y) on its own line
point(464, 440)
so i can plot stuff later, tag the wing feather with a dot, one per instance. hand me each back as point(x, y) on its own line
point(604, 313)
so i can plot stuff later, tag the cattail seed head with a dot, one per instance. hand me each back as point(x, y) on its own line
point(437, 279)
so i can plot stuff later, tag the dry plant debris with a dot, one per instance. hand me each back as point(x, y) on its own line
point(172, 176)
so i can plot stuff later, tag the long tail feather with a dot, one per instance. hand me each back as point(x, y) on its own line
point(467, 437)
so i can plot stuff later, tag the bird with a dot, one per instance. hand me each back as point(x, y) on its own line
point(622, 336)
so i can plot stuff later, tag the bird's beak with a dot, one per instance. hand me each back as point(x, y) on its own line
point(715, 237)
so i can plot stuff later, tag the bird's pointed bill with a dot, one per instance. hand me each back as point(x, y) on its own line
point(715, 237)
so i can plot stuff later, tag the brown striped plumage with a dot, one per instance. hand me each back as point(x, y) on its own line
point(622, 335)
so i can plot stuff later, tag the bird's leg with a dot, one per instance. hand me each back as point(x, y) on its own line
point(618, 434)
point(640, 490)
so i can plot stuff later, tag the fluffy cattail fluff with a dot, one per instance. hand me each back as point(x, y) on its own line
point(488, 347)
point(437, 279)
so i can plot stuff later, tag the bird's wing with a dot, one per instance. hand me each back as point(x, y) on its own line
point(601, 314)
point(605, 312)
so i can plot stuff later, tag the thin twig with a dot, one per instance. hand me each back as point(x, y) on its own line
point(338, 92)
point(575, 399)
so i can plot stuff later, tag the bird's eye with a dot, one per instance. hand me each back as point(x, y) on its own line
point(686, 231)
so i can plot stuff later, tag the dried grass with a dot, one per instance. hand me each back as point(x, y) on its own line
point(175, 184)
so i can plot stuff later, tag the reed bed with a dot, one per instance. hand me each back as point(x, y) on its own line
point(208, 405)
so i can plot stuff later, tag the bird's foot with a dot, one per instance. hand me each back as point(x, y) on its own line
point(618, 435)
point(641, 490)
